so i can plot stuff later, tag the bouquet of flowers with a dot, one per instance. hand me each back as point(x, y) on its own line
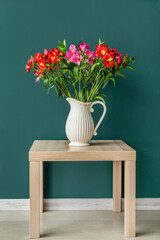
point(79, 72)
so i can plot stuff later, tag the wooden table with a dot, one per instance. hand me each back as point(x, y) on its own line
point(100, 150)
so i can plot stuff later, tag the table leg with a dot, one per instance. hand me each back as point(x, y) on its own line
point(130, 205)
point(117, 185)
point(41, 187)
point(34, 199)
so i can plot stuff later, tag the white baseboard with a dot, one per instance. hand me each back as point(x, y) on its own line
point(78, 204)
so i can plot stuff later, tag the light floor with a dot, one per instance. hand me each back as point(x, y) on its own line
point(78, 225)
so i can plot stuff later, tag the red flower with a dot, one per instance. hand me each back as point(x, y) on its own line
point(39, 56)
point(42, 66)
point(30, 64)
point(109, 59)
point(101, 50)
point(112, 51)
point(52, 55)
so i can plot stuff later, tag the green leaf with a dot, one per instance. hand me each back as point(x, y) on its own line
point(62, 49)
point(61, 44)
point(85, 65)
point(121, 74)
point(87, 79)
point(55, 88)
point(132, 60)
point(64, 42)
point(128, 66)
point(100, 41)
point(109, 74)
point(114, 81)
point(65, 70)
point(106, 80)
point(60, 56)
point(59, 93)
point(68, 80)
point(94, 66)
point(104, 95)
point(45, 82)
point(125, 60)
point(51, 81)
point(116, 64)
point(100, 98)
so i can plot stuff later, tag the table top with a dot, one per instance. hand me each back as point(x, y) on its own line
point(98, 150)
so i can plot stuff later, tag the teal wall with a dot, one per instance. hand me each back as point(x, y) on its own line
point(28, 113)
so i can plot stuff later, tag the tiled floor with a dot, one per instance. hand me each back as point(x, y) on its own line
point(78, 225)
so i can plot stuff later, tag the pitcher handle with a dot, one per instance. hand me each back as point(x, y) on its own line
point(100, 120)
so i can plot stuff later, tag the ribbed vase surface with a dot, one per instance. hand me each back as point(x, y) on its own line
point(79, 125)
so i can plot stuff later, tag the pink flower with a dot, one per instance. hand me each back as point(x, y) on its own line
point(69, 54)
point(45, 51)
point(118, 58)
point(90, 60)
point(90, 54)
point(76, 58)
point(83, 46)
point(73, 48)
point(37, 79)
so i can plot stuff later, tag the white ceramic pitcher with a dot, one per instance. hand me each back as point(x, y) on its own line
point(79, 126)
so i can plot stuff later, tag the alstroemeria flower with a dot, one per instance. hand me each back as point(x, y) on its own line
point(37, 79)
point(30, 64)
point(52, 57)
point(109, 60)
point(42, 65)
point(90, 60)
point(37, 73)
point(101, 50)
point(83, 46)
point(72, 48)
point(68, 56)
point(118, 58)
point(55, 50)
point(45, 51)
point(39, 56)
point(76, 58)
point(90, 55)
point(27, 68)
